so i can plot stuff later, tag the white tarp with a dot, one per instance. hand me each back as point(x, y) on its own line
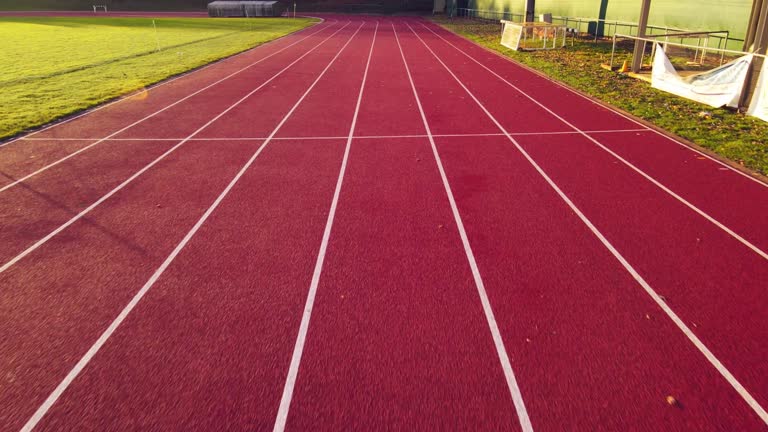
point(759, 105)
point(718, 87)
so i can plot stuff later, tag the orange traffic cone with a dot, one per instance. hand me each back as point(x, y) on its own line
point(624, 67)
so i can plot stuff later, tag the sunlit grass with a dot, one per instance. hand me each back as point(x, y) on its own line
point(85, 5)
point(53, 67)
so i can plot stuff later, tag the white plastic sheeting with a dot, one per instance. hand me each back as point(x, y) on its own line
point(717, 87)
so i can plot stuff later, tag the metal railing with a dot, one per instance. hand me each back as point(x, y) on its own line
point(597, 27)
point(722, 36)
point(654, 41)
point(488, 15)
point(701, 49)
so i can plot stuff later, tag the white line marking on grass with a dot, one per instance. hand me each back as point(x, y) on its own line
point(619, 113)
point(298, 349)
point(627, 266)
point(658, 184)
point(501, 350)
point(51, 165)
point(77, 217)
point(83, 362)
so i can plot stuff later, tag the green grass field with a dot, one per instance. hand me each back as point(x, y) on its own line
point(60, 66)
point(85, 5)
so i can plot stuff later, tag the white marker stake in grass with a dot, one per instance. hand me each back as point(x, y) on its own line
point(157, 38)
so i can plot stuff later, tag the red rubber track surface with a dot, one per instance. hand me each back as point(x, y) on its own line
point(308, 243)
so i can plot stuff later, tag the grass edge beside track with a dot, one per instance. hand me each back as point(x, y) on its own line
point(739, 140)
point(85, 5)
point(142, 86)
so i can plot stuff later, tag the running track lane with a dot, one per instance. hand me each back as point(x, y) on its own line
point(722, 192)
point(219, 312)
point(381, 349)
point(59, 299)
point(635, 360)
point(698, 264)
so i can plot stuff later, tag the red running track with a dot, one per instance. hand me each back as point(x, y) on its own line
point(375, 224)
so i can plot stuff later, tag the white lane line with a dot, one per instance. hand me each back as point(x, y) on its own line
point(101, 140)
point(631, 270)
point(298, 349)
point(296, 138)
point(538, 133)
point(156, 85)
point(608, 131)
point(498, 341)
point(77, 217)
point(658, 184)
point(83, 362)
point(621, 114)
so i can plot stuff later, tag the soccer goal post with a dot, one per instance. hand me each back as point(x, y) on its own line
point(97, 8)
point(532, 35)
